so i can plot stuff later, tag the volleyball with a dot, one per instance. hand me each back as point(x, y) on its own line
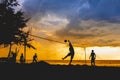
point(65, 40)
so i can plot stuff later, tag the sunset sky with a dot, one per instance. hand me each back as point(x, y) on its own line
point(94, 24)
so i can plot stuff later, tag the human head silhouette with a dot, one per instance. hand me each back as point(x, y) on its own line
point(92, 50)
point(22, 54)
point(65, 40)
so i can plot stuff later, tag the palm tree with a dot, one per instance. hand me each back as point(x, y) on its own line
point(11, 23)
point(25, 39)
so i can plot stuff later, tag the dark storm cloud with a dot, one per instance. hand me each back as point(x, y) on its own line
point(105, 9)
point(98, 9)
point(57, 7)
point(83, 9)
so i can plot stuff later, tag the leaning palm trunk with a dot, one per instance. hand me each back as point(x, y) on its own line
point(9, 50)
point(26, 44)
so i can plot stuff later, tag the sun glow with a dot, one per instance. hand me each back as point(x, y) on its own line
point(55, 51)
point(105, 53)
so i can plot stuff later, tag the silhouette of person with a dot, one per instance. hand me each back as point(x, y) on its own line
point(35, 58)
point(21, 58)
point(71, 52)
point(12, 58)
point(93, 57)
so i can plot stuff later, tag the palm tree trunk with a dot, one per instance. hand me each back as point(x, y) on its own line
point(10, 50)
point(25, 50)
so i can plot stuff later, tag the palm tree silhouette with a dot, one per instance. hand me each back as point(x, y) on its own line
point(11, 22)
point(25, 39)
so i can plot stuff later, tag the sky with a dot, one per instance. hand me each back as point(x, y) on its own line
point(93, 24)
point(94, 21)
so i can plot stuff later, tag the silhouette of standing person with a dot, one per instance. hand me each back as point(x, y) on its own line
point(71, 52)
point(93, 57)
point(35, 58)
point(13, 57)
point(21, 58)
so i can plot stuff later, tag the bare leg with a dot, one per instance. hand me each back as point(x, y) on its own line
point(94, 63)
point(35, 60)
point(66, 56)
point(71, 59)
point(91, 62)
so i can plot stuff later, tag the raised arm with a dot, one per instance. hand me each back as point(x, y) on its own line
point(95, 56)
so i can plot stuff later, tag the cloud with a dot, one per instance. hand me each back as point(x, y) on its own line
point(100, 9)
point(87, 19)
point(83, 9)
point(104, 9)
point(40, 8)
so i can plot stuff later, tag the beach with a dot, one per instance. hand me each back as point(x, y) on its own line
point(45, 71)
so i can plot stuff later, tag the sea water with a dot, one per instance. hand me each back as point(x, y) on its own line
point(115, 63)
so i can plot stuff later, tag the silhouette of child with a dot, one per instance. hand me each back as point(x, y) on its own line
point(71, 52)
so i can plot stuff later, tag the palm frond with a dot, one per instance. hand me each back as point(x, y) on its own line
point(30, 46)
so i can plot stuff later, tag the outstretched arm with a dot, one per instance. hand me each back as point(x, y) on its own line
point(89, 56)
point(69, 43)
point(95, 56)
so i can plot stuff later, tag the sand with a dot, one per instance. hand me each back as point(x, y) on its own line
point(45, 71)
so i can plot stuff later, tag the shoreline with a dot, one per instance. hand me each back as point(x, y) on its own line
point(111, 63)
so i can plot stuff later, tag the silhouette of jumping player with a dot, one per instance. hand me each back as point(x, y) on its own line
point(35, 58)
point(71, 52)
point(93, 57)
point(22, 60)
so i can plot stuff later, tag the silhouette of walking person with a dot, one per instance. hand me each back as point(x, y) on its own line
point(35, 58)
point(93, 57)
point(71, 52)
point(22, 59)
